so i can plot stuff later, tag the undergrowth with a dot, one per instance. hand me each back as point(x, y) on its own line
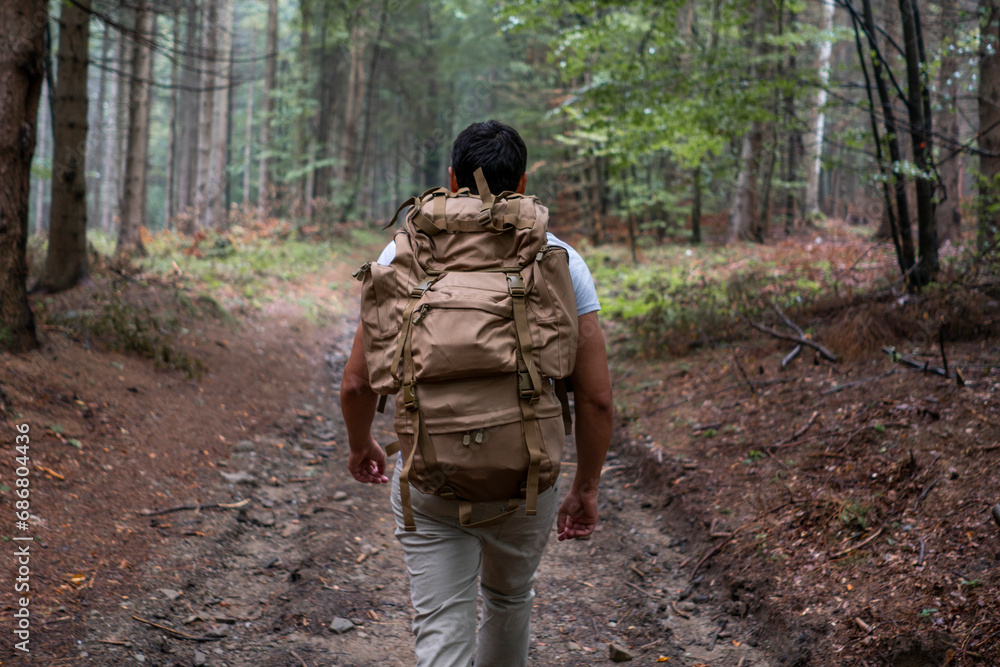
point(121, 324)
point(685, 298)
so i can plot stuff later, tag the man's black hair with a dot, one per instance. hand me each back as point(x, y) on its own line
point(495, 147)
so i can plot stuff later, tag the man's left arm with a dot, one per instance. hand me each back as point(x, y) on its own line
point(358, 402)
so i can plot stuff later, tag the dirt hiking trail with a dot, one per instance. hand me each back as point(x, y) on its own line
point(213, 522)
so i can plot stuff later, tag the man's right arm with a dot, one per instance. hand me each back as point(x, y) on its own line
point(594, 418)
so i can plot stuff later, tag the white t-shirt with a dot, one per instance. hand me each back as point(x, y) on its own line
point(583, 282)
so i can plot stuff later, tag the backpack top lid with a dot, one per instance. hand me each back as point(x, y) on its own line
point(459, 231)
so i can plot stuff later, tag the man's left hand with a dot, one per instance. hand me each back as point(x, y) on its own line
point(367, 463)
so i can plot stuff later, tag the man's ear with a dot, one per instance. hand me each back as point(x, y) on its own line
point(452, 181)
point(522, 184)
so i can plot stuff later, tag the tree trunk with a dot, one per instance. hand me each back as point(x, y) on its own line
point(989, 123)
point(42, 149)
point(206, 113)
point(66, 263)
point(907, 257)
point(125, 106)
point(115, 153)
point(696, 207)
point(888, 216)
point(169, 195)
point(22, 68)
point(101, 122)
point(187, 150)
point(133, 207)
point(248, 141)
point(270, 63)
point(817, 119)
point(920, 138)
point(743, 223)
point(218, 156)
point(949, 210)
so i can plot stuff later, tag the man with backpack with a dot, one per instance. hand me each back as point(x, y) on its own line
point(477, 319)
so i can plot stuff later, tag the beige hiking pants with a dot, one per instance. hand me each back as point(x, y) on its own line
point(446, 562)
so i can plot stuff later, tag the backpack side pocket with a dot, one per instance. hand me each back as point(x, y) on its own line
point(552, 313)
point(380, 315)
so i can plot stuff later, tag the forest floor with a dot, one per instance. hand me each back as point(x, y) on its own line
point(771, 518)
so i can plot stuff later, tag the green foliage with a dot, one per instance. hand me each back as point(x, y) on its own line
point(680, 298)
point(855, 515)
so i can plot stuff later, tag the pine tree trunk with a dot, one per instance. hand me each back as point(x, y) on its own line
point(989, 122)
point(66, 263)
point(218, 157)
point(949, 210)
point(102, 124)
point(169, 196)
point(126, 57)
point(187, 147)
point(743, 224)
point(42, 149)
point(22, 68)
point(817, 120)
point(271, 58)
point(248, 142)
point(696, 206)
point(133, 207)
point(206, 113)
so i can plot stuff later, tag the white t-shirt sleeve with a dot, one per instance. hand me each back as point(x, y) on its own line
point(387, 254)
point(583, 282)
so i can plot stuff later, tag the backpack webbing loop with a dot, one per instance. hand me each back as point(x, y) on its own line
point(562, 393)
point(533, 442)
point(486, 210)
point(404, 491)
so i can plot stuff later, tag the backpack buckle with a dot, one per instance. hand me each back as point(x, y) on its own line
point(515, 284)
point(485, 217)
point(524, 385)
point(410, 397)
point(360, 273)
point(422, 287)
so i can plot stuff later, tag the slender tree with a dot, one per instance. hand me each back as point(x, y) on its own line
point(907, 255)
point(817, 121)
point(949, 209)
point(989, 123)
point(102, 123)
point(270, 60)
point(918, 106)
point(21, 71)
point(744, 223)
point(133, 206)
point(218, 158)
point(66, 263)
point(169, 197)
point(206, 113)
point(187, 135)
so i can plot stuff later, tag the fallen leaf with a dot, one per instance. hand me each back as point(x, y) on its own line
point(51, 473)
point(663, 658)
point(76, 443)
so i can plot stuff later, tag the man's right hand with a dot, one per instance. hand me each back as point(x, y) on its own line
point(577, 515)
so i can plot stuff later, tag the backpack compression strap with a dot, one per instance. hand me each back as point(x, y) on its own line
point(529, 385)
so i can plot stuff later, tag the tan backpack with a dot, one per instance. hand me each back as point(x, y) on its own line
point(473, 325)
